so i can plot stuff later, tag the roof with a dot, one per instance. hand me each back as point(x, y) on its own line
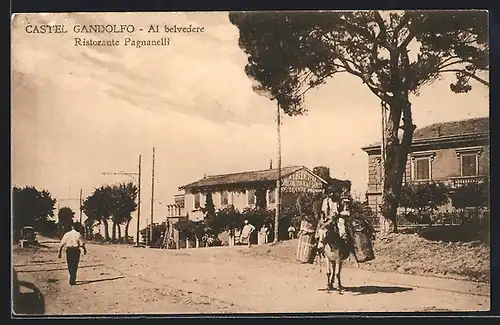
point(247, 177)
point(452, 129)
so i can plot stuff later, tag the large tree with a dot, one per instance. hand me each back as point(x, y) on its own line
point(65, 216)
point(99, 207)
point(393, 53)
point(124, 203)
point(31, 207)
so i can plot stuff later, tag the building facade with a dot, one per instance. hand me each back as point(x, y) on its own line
point(454, 153)
point(242, 189)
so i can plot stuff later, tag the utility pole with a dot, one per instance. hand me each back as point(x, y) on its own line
point(278, 182)
point(138, 204)
point(152, 198)
point(80, 206)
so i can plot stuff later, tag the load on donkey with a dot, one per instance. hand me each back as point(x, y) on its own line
point(330, 230)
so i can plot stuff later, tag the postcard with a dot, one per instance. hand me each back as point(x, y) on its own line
point(174, 163)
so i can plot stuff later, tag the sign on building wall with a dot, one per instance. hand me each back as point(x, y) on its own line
point(301, 181)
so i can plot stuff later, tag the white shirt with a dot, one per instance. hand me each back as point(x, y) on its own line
point(247, 230)
point(72, 239)
point(329, 207)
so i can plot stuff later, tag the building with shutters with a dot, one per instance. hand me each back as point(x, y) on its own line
point(454, 153)
point(242, 189)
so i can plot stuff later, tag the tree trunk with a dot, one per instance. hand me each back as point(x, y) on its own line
point(89, 232)
point(106, 229)
point(118, 226)
point(113, 231)
point(395, 159)
point(126, 229)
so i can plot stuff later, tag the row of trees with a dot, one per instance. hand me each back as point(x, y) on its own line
point(108, 204)
point(111, 204)
point(229, 218)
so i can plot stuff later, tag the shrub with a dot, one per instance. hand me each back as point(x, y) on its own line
point(471, 195)
point(448, 218)
point(423, 199)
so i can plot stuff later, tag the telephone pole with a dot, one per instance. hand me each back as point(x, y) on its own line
point(80, 206)
point(138, 204)
point(278, 182)
point(152, 198)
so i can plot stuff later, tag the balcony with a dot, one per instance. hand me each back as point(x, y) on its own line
point(175, 211)
point(455, 182)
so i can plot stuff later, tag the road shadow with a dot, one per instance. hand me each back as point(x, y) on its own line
point(369, 290)
point(28, 303)
point(98, 280)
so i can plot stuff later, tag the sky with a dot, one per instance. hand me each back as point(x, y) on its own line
point(80, 111)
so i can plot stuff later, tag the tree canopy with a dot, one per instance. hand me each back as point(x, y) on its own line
point(65, 216)
point(31, 207)
point(290, 53)
point(113, 203)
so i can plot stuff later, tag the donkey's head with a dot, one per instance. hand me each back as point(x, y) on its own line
point(331, 231)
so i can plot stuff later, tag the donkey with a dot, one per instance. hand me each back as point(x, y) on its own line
point(333, 246)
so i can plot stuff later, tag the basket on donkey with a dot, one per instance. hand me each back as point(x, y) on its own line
point(361, 236)
point(307, 205)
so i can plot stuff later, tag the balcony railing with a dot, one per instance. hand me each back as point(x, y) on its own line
point(455, 182)
point(174, 211)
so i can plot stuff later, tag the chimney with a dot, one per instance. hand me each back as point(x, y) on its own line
point(439, 130)
point(271, 164)
point(204, 175)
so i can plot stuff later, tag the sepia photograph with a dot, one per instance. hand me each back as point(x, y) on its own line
point(244, 162)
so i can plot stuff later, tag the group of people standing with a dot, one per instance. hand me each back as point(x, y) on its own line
point(262, 236)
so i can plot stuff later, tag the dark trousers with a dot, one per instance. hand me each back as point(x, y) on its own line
point(73, 258)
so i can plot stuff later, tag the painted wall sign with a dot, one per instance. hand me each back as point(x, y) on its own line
point(301, 181)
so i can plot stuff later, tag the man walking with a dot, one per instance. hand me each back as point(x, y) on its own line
point(72, 240)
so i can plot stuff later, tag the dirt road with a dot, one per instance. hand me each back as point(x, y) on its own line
point(121, 279)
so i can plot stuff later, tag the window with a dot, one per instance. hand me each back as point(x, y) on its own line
point(179, 200)
point(271, 196)
point(469, 164)
point(251, 197)
point(203, 198)
point(422, 169)
point(197, 200)
point(224, 198)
